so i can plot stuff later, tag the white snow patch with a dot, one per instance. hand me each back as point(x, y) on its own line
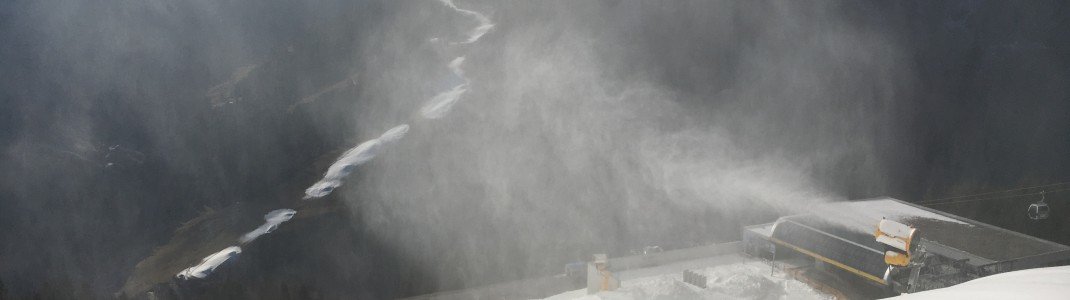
point(352, 158)
point(441, 104)
point(322, 188)
point(455, 66)
point(1042, 283)
point(342, 167)
point(271, 222)
point(484, 23)
point(209, 264)
point(394, 134)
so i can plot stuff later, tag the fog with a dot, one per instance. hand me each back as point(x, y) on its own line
point(491, 140)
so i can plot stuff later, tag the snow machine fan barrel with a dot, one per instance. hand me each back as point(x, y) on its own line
point(899, 238)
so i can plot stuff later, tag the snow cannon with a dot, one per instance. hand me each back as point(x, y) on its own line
point(898, 238)
point(913, 248)
point(599, 277)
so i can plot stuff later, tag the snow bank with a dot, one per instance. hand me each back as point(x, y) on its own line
point(1042, 283)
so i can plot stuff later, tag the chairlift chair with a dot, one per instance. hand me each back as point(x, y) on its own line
point(1039, 210)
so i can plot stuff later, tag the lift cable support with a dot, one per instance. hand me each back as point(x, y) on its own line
point(1039, 210)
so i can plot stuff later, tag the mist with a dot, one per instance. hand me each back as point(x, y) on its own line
point(567, 145)
point(535, 133)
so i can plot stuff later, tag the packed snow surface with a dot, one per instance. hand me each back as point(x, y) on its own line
point(1042, 283)
point(728, 277)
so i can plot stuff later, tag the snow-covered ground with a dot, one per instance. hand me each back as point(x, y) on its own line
point(1042, 283)
point(729, 277)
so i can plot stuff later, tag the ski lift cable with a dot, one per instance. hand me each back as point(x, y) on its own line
point(996, 192)
point(995, 198)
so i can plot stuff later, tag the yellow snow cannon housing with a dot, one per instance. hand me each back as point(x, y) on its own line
point(899, 238)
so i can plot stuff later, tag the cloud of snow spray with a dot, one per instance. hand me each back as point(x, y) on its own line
point(567, 144)
point(571, 139)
